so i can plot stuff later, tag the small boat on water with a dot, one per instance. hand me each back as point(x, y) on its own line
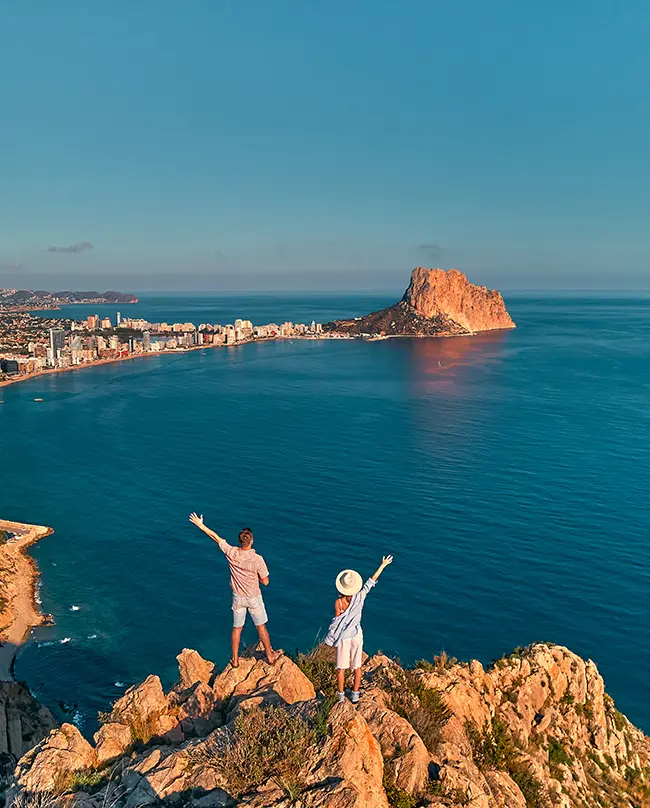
point(204, 353)
point(39, 399)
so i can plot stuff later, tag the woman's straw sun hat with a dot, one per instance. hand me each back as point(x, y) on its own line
point(349, 582)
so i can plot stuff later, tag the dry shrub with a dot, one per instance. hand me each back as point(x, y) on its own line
point(266, 744)
point(318, 666)
point(441, 662)
point(143, 727)
point(34, 799)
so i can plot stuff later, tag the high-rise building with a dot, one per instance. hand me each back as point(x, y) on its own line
point(106, 323)
point(119, 319)
point(57, 343)
point(92, 322)
point(146, 340)
point(9, 366)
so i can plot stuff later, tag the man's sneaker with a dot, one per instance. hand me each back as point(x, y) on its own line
point(341, 697)
point(355, 697)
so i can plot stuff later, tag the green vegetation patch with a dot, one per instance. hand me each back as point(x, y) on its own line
point(494, 748)
point(318, 666)
point(557, 754)
point(619, 720)
point(397, 797)
point(88, 780)
point(423, 707)
point(584, 710)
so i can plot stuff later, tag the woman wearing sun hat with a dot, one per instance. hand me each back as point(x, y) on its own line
point(345, 632)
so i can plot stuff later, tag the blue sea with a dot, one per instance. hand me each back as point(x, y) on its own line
point(507, 473)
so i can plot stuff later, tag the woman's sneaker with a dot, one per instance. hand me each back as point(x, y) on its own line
point(341, 697)
point(354, 698)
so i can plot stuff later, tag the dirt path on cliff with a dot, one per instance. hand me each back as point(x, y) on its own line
point(19, 612)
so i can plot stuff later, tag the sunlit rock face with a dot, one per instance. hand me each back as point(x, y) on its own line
point(436, 292)
point(437, 303)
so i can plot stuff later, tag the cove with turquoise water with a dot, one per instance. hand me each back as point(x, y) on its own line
point(507, 472)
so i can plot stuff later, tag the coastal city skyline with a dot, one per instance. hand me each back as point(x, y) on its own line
point(30, 345)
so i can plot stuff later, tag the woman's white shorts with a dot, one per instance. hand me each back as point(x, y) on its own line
point(349, 652)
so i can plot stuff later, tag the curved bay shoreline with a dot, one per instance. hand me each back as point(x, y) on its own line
point(171, 352)
point(19, 574)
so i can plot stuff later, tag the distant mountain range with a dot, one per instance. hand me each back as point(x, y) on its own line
point(24, 299)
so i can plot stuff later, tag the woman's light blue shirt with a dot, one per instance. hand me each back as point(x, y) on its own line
point(347, 624)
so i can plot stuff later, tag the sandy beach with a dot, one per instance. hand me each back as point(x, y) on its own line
point(170, 352)
point(19, 612)
point(48, 371)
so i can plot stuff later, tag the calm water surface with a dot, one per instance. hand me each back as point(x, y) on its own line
point(508, 474)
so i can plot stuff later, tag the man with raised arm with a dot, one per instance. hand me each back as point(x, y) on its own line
point(247, 571)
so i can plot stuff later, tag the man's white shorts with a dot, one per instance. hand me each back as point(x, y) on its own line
point(349, 652)
point(254, 606)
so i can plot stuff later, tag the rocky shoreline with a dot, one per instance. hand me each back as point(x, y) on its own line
point(19, 575)
point(534, 730)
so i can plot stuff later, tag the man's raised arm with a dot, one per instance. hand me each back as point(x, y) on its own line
point(198, 521)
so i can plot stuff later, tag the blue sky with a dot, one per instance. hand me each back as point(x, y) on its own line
point(218, 144)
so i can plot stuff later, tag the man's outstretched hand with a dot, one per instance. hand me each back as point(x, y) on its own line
point(197, 520)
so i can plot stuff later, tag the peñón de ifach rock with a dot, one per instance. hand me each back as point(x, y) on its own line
point(437, 302)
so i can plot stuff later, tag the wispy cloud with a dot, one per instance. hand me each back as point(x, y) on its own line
point(12, 266)
point(72, 248)
point(435, 248)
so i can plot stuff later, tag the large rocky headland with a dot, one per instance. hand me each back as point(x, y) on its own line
point(534, 729)
point(437, 303)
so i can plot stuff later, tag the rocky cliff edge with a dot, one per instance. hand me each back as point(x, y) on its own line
point(535, 729)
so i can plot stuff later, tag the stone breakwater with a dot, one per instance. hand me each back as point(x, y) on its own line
point(535, 729)
point(19, 610)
